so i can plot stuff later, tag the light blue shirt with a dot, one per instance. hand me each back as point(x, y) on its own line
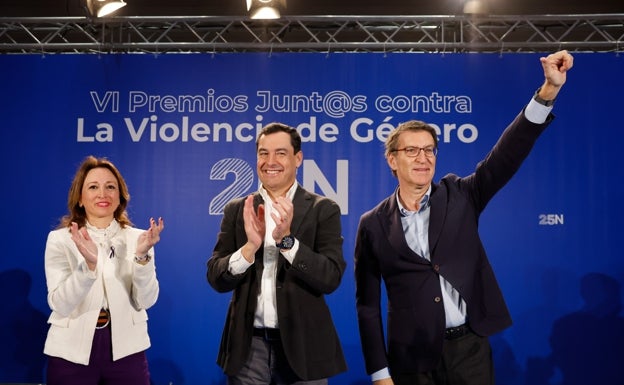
point(416, 230)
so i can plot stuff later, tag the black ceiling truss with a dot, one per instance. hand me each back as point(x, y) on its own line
point(444, 33)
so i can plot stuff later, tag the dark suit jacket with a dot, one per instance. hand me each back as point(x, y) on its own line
point(416, 319)
point(307, 331)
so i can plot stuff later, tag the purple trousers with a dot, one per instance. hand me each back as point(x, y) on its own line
point(102, 370)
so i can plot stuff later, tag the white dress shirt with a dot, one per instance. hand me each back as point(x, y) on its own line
point(266, 311)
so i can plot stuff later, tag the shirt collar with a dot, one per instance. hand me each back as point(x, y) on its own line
point(290, 194)
point(104, 234)
point(424, 204)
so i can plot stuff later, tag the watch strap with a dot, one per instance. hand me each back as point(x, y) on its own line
point(543, 102)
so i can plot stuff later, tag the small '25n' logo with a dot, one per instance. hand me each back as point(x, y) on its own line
point(550, 219)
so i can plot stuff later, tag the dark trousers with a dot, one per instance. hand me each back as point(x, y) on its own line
point(102, 370)
point(267, 365)
point(466, 360)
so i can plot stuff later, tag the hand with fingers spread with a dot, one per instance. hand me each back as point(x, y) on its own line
point(150, 237)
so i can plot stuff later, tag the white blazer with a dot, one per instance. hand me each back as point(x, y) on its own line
point(76, 294)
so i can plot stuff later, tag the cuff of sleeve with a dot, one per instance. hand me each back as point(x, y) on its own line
point(537, 113)
point(238, 263)
point(380, 374)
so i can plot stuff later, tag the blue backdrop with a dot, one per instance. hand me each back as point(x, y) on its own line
point(181, 128)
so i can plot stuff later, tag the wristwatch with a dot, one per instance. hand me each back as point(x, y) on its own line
point(543, 102)
point(286, 243)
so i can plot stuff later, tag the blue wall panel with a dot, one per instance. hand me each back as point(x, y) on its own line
point(181, 128)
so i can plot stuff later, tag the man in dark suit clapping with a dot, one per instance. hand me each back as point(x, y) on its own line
point(280, 251)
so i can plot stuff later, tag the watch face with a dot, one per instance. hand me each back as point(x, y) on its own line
point(287, 242)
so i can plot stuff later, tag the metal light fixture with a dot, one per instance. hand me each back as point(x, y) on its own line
point(100, 8)
point(265, 9)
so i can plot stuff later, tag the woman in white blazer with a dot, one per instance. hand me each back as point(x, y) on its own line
point(101, 278)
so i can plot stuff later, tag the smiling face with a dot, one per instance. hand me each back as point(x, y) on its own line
point(414, 172)
point(100, 196)
point(277, 162)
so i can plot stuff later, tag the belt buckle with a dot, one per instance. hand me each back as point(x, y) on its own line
point(103, 319)
point(456, 332)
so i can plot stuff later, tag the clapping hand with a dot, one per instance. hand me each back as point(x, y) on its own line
point(283, 216)
point(150, 237)
point(254, 228)
point(86, 246)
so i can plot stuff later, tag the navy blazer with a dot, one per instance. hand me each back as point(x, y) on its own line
point(307, 331)
point(416, 318)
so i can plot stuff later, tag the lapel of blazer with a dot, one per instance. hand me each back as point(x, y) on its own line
point(390, 219)
point(302, 201)
point(437, 215)
point(257, 200)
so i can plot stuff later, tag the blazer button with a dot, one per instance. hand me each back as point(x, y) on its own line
point(437, 299)
point(436, 268)
point(303, 266)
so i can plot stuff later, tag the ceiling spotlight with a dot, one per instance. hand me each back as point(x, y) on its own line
point(475, 7)
point(100, 8)
point(265, 9)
